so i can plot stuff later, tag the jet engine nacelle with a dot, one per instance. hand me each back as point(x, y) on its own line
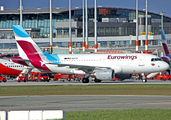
point(123, 76)
point(105, 74)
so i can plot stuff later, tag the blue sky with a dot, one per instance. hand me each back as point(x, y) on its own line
point(155, 6)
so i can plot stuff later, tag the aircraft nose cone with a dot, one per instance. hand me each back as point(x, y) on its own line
point(165, 66)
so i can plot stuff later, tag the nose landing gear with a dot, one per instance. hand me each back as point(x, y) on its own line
point(144, 80)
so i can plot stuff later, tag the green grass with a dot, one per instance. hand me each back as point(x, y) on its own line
point(126, 114)
point(132, 89)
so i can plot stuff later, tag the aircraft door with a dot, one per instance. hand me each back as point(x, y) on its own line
point(141, 60)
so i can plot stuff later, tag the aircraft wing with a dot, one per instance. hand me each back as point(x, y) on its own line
point(85, 68)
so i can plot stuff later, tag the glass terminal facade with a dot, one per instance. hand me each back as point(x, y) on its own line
point(120, 22)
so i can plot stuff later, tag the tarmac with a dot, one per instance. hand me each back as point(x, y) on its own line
point(83, 102)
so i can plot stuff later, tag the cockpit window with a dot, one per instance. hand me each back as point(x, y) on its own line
point(156, 59)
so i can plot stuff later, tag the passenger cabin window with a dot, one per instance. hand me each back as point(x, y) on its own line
point(156, 59)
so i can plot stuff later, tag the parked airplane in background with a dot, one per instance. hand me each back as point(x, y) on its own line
point(166, 54)
point(101, 66)
point(10, 68)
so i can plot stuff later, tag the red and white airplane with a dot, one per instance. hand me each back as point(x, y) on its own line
point(101, 66)
point(10, 68)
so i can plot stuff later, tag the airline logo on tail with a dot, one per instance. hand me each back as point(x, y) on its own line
point(29, 50)
point(166, 54)
point(164, 44)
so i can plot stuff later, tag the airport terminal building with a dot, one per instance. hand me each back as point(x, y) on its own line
point(116, 27)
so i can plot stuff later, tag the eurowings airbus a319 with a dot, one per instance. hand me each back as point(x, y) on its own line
point(101, 66)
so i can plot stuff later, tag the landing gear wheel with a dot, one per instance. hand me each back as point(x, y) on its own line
point(144, 80)
point(97, 81)
point(85, 80)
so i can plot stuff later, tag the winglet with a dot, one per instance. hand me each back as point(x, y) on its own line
point(19, 31)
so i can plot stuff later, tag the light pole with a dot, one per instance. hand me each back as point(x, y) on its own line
point(162, 14)
point(51, 47)
point(21, 14)
point(86, 25)
point(146, 26)
point(83, 27)
point(137, 25)
point(95, 26)
point(70, 43)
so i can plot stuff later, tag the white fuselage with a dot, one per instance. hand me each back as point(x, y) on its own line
point(120, 63)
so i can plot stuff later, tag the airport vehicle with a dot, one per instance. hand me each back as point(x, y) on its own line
point(101, 66)
point(162, 76)
point(22, 77)
point(33, 76)
point(60, 76)
point(2, 78)
point(57, 76)
point(115, 79)
point(79, 77)
point(43, 76)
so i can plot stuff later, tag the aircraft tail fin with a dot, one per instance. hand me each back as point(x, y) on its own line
point(164, 44)
point(26, 45)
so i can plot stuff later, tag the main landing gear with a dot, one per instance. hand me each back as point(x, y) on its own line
point(85, 80)
point(97, 80)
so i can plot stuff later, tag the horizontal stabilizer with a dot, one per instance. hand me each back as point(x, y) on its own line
point(20, 59)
